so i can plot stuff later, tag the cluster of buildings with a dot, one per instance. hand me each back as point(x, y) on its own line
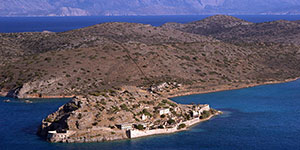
point(55, 136)
point(134, 130)
point(198, 110)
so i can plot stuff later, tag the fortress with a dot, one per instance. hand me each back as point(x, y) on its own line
point(133, 131)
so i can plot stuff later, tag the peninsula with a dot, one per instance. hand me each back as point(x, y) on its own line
point(122, 74)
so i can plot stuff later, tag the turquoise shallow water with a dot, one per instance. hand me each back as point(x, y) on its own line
point(260, 118)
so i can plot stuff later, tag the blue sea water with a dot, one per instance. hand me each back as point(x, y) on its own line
point(260, 118)
point(60, 24)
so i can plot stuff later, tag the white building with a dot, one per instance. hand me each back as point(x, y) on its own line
point(195, 113)
point(126, 126)
point(144, 117)
point(55, 136)
point(164, 111)
point(204, 108)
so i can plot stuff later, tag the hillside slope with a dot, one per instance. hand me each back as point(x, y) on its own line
point(231, 29)
point(108, 56)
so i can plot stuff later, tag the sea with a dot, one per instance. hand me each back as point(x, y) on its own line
point(61, 24)
point(265, 117)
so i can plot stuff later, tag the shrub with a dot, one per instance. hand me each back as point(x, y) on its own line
point(171, 121)
point(181, 126)
point(172, 104)
point(164, 101)
point(111, 119)
point(161, 127)
point(73, 106)
point(115, 109)
point(145, 112)
point(48, 120)
point(98, 115)
point(103, 102)
point(94, 93)
point(111, 126)
point(213, 111)
point(140, 127)
point(136, 105)
point(136, 119)
point(79, 116)
point(124, 107)
point(48, 59)
point(187, 116)
point(205, 114)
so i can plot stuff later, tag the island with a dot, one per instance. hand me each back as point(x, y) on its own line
point(120, 75)
point(129, 112)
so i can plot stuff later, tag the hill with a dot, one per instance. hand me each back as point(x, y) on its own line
point(107, 56)
point(231, 29)
point(209, 26)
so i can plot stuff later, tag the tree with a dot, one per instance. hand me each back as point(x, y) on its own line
point(171, 121)
point(181, 126)
point(140, 127)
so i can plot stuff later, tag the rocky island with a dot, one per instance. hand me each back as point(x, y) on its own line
point(122, 74)
point(129, 112)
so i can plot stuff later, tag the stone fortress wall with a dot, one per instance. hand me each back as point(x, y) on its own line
point(141, 133)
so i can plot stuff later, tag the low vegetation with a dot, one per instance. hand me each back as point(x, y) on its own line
point(202, 55)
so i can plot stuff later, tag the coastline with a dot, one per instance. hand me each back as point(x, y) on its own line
point(3, 94)
point(48, 96)
point(36, 96)
point(182, 92)
point(175, 129)
point(189, 123)
point(193, 91)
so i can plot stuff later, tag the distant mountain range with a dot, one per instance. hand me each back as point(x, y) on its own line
point(145, 7)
